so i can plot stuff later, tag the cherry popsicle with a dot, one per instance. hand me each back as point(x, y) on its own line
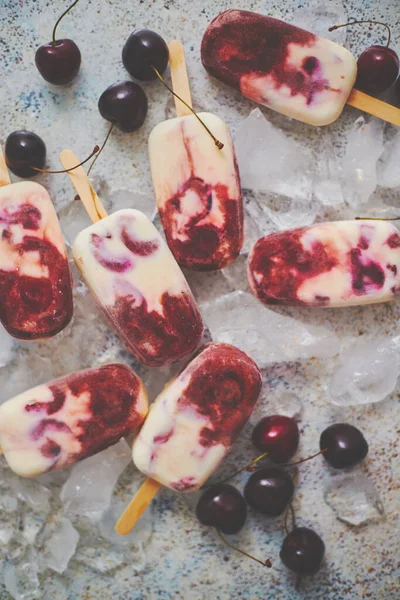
point(193, 424)
point(134, 279)
point(35, 279)
point(287, 69)
point(196, 182)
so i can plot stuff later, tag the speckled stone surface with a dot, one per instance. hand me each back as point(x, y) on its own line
point(185, 560)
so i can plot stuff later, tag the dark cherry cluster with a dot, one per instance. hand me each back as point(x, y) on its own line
point(269, 490)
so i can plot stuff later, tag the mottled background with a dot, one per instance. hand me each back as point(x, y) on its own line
point(183, 559)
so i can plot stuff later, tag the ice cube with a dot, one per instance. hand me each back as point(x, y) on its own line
point(21, 579)
point(6, 347)
point(60, 542)
point(359, 164)
point(35, 495)
point(236, 274)
point(90, 485)
point(103, 559)
point(30, 525)
point(140, 534)
point(327, 184)
point(73, 218)
point(318, 17)
point(367, 371)
point(354, 499)
point(265, 335)
point(287, 404)
point(278, 169)
point(127, 199)
point(389, 166)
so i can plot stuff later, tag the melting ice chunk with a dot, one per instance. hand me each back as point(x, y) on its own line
point(359, 164)
point(367, 372)
point(354, 499)
point(389, 167)
point(264, 334)
point(61, 540)
point(90, 485)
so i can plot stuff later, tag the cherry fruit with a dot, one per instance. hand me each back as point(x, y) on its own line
point(24, 150)
point(278, 436)
point(377, 69)
point(344, 444)
point(143, 50)
point(222, 506)
point(269, 491)
point(302, 551)
point(125, 105)
point(59, 61)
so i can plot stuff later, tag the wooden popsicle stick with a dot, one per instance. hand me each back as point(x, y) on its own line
point(374, 107)
point(4, 174)
point(179, 76)
point(1, 451)
point(81, 183)
point(137, 506)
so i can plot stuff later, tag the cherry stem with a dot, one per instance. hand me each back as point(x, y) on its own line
point(366, 21)
point(95, 150)
point(266, 563)
point(377, 218)
point(219, 144)
point(298, 462)
point(290, 510)
point(60, 18)
point(101, 149)
point(248, 466)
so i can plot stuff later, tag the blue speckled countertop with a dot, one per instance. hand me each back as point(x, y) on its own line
point(185, 560)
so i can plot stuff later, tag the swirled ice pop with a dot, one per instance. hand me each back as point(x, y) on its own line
point(344, 263)
point(35, 280)
point(139, 286)
point(288, 69)
point(66, 420)
point(196, 185)
point(195, 420)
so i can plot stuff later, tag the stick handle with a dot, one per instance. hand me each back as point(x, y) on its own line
point(137, 506)
point(179, 76)
point(374, 107)
point(81, 183)
point(4, 174)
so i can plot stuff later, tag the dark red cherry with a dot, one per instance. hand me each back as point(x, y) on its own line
point(58, 62)
point(278, 435)
point(345, 445)
point(302, 551)
point(143, 50)
point(222, 506)
point(124, 104)
point(269, 491)
point(23, 150)
point(377, 69)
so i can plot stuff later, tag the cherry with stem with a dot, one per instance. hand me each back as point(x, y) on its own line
point(378, 66)
point(59, 61)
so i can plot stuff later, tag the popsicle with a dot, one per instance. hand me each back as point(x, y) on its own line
point(135, 280)
point(59, 423)
point(290, 70)
point(344, 263)
point(196, 184)
point(193, 424)
point(35, 280)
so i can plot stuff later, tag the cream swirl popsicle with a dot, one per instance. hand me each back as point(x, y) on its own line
point(35, 280)
point(139, 287)
point(343, 263)
point(197, 189)
point(195, 420)
point(196, 184)
point(276, 64)
point(56, 424)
